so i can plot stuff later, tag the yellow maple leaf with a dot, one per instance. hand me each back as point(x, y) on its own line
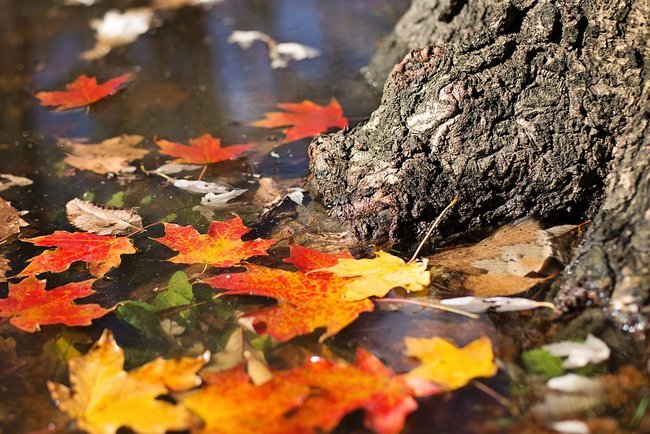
point(448, 365)
point(103, 397)
point(377, 276)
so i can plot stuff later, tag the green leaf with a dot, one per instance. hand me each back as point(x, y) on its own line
point(117, 200)
point(178, 293)
point(142, 316)
point(541, 362)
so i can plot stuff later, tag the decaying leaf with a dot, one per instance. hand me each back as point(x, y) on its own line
point(10, 221)
point(173, 168)
point(103, 397)
point(7, 181)
point(29, 305)
point(202, 150)
point(307, 299)
point(212, 200)
point(579, 354)
point(102, 221)
point(118, 28)
point(498, 304)
point(308, 399)
point(100, 252)
point(82, 92)
point(377, 276)
point(110, 156)
point(202, 187)
point(272, 191)
point(449, 366)
point(4, 267)
point(280, 53)
point(304, 119)
point(176, 4)
point(221, 246)
point(513, 260)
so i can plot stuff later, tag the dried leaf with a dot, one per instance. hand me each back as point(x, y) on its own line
point(280, 53)
point(377, 276)
point(202, 150)
point(202, 187)
point(102, 221)
point(499, 304)
point(118, 28)
point(110, 156)
point(10, 221)
point(82, 92)
point(100, 252)
point(449, 366)
point(304, 119)
point(579, 354)
point(13, 181)
point(4, 267)
point(173, 168)
point(220, 200)
point(103, 397)
point(221, 246)
point(306, 302)
point(29, 305)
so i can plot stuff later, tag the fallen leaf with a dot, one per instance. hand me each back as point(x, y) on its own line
point(513, 260)
point(449, 366)
point(102, 221)
point(498, 304)
point(202, 150)
point(172, 168)
point(110, 156)
point(573, 383)
point(377, 276)
point(570, 427)
point(176, 4)
point(308, 399)
point(100, 252)
point(304, 119)
point(103, 397)
point(4, 267)
point(306, 302)
point(272, 191)
point(220, 200)
point(82, 92)
point(10, 221)
point(13, 181)
point(118, 28)
point(29, 305)
point(579, 354)
point(202, 187)
point(280, 53)
point(221, 246)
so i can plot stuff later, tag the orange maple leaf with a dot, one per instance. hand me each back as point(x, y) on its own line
point(202, 150)
point(221, 246)
point(305, 119)
point(305, 301)
point(100, 252)
point(82, 92)
point(308, 399)
point(29, 305)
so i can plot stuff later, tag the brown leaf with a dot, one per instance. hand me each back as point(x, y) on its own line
point(7, 181)
point(110, 156)
point(10, 221)
point(513, 260)
point(102, 221)
point(4, 267)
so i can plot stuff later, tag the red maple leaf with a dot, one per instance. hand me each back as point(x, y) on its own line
point(202, 150)
point(82, 92)
point(305, 119)
point(221, 246)
point(100, 252)
point(29, 305)
point(305, 301)
point(308, 399)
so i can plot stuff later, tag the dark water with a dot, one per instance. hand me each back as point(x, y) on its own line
point(189, 81)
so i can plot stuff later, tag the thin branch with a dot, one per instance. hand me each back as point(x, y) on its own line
point(433, 226)
point(426, 304)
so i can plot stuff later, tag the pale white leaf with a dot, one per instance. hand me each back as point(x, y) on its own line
point(172, 168)
point(579, 354)
point(9, 181)
point(202, 187)
point(570, 427)
point(118, 28)
point(573, 383)
point(246, 38)
point(498, 304)
point(213, 200)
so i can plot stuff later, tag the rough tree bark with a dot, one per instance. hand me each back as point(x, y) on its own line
point(521, 108)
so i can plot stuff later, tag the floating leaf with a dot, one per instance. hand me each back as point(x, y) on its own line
point(110, 156)
point(579, 354)
point(498, 304)
point(82, 92)
point(202, 150)
point(10, 221)
point(449, 366)
point(118, 28)
point(100, 252)
point(175, 4)
point(305, 301)
point(102, 221)
point(203, 187)
point(377, 276)
point(103, 397)
point(280, 53)
point(304, 119)
point(13, 181)
point(29, 305)
point(221, 246)
point(212, 200)
point(172, 168)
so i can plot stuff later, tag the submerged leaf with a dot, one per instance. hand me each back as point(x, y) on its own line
point(110, 156)
point(102, 221)
point(202, 150)
point(103, 397)
point(82, 92)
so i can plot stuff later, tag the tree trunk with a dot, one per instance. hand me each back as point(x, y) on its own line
point(521, 108)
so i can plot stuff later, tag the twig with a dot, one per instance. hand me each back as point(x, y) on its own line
point(492, 394)
point(205, 167)
point(425, 304)
point(433, 226)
